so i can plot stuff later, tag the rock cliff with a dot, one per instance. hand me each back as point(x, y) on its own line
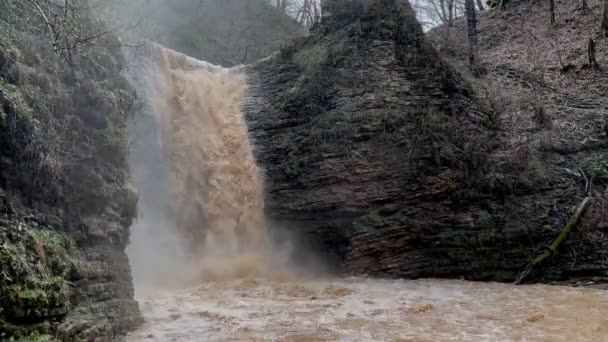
point(65, 201)
point(377, 150)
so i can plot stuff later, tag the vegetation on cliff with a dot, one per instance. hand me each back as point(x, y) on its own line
point(401, 166)
point(551, 104)
point(65, 201)
point(35, 280)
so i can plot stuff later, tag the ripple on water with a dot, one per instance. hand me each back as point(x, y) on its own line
point(360, 309)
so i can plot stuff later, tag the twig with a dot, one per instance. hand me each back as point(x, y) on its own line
point(48, 24)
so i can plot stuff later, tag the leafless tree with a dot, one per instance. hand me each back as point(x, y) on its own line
point(62, 19)
point(305, 12)
point(472, 34)
point(605, 19)
point(552, 11)
point(450, 12)
point(308, 12)
point(282, 4)
point(591, 54)
point(585, 6)
point(438, 12)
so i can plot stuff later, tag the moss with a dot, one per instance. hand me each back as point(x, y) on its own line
point(596, 165)
point(37, 338)
point(311, 63)
point(15, 99)
point(34, 280)
point(311, 60)
point(117, 133)
point(26, 333)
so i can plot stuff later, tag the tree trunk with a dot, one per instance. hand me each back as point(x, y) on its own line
point(605, 20)
point(552, 10)
point(443, 14)
point(563, 236)
point(593, 64)
point(450, 13)
point(585, 7)
point(472, 32)
point(480, 5)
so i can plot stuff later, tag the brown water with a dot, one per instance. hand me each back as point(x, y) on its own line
point(243, 289)
point(361, 309)
point(216, 192)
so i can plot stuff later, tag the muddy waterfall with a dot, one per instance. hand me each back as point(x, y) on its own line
point(215, 194)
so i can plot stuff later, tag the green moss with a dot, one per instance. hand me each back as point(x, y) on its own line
point(312, 62)
point(34, 280)
point(37, 338)
point(23, 333)
point(15, 98)
point(596, 165)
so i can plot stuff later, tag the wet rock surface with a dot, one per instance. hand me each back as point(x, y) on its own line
point(65, 201)
point(390, 161)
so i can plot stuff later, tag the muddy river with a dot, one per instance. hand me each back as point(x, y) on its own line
point(359, 309)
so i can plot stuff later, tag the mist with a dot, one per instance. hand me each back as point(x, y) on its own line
point(201, 213)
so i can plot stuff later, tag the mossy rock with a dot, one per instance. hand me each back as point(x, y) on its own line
point(596, 165)
point(35, 278)
point(26, 333)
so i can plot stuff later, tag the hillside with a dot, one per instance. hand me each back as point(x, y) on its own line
point(540, 65)
point(551, 104)
point(227, 32)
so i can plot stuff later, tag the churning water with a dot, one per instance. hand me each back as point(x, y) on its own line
point(239, 286)
point(214, 226)
point(360, 309)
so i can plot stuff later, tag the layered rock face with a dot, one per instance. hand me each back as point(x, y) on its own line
point(65, 201)
point(381, 154)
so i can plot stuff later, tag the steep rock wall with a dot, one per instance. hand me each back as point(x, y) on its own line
point(379, 152)
point(66, 204)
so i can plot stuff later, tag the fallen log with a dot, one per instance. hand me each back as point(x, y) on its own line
point(553, 248)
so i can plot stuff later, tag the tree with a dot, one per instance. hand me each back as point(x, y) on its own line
point(480, 5)
point(438, 12)
point(605, 20)
point(282, 4)
point(585, 6)
point(305, 12)
point(472, 33)
point(64, 23)
point(450, 12)
point(552, 11)
point(593, 64)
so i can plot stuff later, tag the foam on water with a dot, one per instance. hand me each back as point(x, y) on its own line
point(360, 309)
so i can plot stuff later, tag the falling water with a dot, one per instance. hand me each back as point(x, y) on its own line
point(213, 220)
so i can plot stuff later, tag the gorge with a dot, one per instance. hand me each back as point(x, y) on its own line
point(268, 192)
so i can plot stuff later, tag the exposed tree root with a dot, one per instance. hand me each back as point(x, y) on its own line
point(552, 249)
